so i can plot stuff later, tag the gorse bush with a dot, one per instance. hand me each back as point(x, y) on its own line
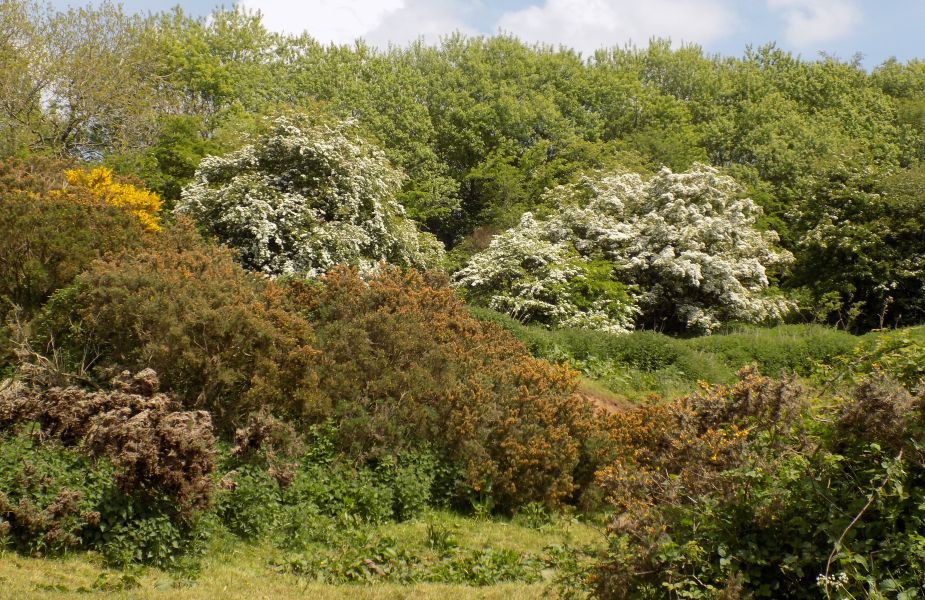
point(220, 338)
point(51, 235)
point(99, 187)
point(405, 366)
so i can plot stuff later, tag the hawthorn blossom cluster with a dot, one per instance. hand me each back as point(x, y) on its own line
point(685, 245)
point(305, 197)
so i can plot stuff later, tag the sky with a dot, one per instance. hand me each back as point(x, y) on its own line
point(877, 29)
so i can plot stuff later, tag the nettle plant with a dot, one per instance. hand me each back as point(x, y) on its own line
point(677, 251)
point(304, 197)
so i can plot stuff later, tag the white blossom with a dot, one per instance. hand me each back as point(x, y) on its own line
point(686, 244)
point(304, 198)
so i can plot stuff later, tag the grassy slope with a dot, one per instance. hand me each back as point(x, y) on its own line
point(634, 365)
point(233, 569)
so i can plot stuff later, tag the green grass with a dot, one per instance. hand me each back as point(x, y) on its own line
point(635, 365)
point(235, 569)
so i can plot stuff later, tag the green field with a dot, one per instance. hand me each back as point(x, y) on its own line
point(236, 569)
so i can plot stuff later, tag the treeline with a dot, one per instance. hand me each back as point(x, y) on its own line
point(481, 127)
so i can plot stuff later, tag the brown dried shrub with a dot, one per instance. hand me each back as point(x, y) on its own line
point(879, 410)
point(270, 443)
point(150, 442)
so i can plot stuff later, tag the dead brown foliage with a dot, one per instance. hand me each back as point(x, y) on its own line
point(150, 441)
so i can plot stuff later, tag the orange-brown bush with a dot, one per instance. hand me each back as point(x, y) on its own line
point(149, 441)
point(404, 364)
point(693, 439)
point(221, 339)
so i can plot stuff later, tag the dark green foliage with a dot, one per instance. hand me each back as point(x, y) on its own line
point(220, 338)
point(48, 240)
point(250, 504)
point(641, 362)
point(55, 499)
point(784, 349)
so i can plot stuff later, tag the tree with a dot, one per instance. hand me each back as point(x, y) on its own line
point(685, 244)
point(73, 83)
point(305, 197)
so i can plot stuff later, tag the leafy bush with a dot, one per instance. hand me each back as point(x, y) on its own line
point(751, 491)
point(250, 503)
point(899, 354)
point(50, 495)
point(56, 499)
point(220, 338)
point(48, 239)
point(305, 197)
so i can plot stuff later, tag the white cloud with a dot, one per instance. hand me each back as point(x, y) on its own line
point(377, 21)
point(587, 25)
point(810, 22)
point(427, 19)
point(338, 21)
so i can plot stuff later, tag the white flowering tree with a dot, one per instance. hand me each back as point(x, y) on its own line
point(685, 245)
point(305, 197)
point(535, 275)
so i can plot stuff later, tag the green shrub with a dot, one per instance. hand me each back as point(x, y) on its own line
point(49, 239)
point(50, 496)
point(411, 478)
point(249, 504)
point(783, 349)
point(220, 338)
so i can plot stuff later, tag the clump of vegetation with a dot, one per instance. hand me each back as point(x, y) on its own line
point(50, 234)
point(150, 443)
point(220, 338)
point(754, 490)
point(686, 243)
point(405, 366)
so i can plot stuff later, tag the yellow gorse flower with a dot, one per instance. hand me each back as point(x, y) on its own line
point(145, 205)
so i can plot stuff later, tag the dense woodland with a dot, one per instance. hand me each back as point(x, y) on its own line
point(261, 292)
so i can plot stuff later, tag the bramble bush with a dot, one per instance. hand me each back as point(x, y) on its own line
point(758, 490)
